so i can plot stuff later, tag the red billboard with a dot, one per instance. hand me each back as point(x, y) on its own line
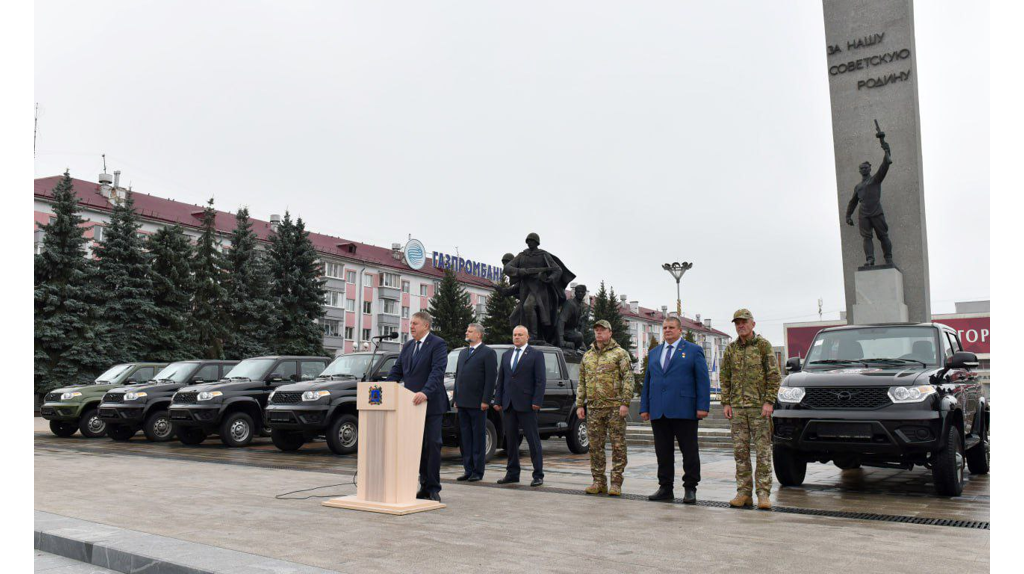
point(975, 333)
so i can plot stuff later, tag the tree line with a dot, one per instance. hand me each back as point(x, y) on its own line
point(163, 298)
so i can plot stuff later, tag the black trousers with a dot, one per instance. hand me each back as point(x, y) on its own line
point(527, 421)
point(877, 224)
point(430, 456)
point(473, 437)
point(666, 433)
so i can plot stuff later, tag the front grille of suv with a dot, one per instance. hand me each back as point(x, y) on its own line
point(286, 398)
point(185, 398)
point(842, 398)
point(113, 398)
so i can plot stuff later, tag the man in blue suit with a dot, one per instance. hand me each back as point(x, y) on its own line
point(675, 396)
point(520, 393)
point(475, 372)
point(421, 366)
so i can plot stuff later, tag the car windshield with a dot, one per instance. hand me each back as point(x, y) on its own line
point(112, 373)
point(250, 369)
point(354, 365)
point(881, 345)
point(176, 372)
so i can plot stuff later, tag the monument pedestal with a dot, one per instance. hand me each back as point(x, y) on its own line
point(390, 439)
point(879, 296)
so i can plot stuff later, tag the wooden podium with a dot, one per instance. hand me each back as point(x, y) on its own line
point(390, 442)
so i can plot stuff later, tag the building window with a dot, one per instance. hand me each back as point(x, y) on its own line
point(367, 308)
point(350, 276)
point(387, 330)
point(367, 280)
point(97, 233)
point(366, 335)
point(331, 327)
point(391, 280)
point(405, 286)
point(482, 300)
point(405, 338)
point(333, 298)
point(350, 305)
point(423, 290)
point(389, 306)
point(349, 333)
point(405, 312)
point(333, 270)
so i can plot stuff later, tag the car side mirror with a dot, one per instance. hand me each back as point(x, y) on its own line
point(275, 378)
point(793, 365)
point(131, 381)
point(962, 360)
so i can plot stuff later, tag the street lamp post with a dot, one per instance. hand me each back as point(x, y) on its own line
point(677, 270)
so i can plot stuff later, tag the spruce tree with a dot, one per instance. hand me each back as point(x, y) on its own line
point(173, 288)
point(451, 311)
point(297, 289)
point(67, 349)
point(690, 336)
point(250, 308)
point(123, 264)
point(647, 361)
point(208, 320)
point(500, 306)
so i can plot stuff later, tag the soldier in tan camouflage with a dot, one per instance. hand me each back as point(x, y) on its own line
point(605, 389)
point(750, 384)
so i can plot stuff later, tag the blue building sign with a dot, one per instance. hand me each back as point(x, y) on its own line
point(475, 268)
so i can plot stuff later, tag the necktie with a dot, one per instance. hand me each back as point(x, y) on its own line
point(416, 349)
point(515, 359)
point(668, 357)
point(471, 349)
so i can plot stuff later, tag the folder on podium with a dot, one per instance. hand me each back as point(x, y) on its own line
point(390, 441)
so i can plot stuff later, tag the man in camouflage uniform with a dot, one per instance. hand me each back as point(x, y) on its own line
point(605, 389)
point(750, 383)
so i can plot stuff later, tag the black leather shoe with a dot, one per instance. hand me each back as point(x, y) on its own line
point(662, 494)
point(690, 496)
point(537, 482)
point(463, 478)
point(422, 495)
point(475, 478)
point(435, 497)
point(507, 479)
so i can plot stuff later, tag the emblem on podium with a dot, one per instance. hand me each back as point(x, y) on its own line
point(376, 395)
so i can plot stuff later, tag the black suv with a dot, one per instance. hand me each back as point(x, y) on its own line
point(233, 407)
point(127, 409)
point(325, 406)
point(890, 396)
point(557, 416)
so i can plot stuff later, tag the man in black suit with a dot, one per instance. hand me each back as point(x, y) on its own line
point(520, 393)
point(474, 388)
point(421, 365)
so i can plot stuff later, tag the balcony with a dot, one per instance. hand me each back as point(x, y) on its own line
point(392, 293)
point(385, 320)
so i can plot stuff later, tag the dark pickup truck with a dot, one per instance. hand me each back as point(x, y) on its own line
point(557, 416)
point(325, 406)
point(233, 407)
point(125, 410)
point(891, 396)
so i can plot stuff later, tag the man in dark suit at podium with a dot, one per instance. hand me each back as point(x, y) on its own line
point(520, 394)
point(421, 365)
point(474, 388)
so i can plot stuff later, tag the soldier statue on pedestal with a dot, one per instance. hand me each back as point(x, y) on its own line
point(542, 279)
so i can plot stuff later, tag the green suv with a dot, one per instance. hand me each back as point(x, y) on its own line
point(73, 409)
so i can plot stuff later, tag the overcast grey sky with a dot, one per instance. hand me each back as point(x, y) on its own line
point(626, 134)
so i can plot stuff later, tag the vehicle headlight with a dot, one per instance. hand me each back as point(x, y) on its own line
point(791, 394)
point(315, 395)
point(134, 396)
point(70, 395)
point(451, 395)
point(911, 394)
point(208, 395)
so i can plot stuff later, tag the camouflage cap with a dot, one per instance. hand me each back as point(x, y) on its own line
point(603, 323)
point(742, 314)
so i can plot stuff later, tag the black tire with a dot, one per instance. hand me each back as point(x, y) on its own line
point(287, 441)
point(577, 439)
point(190, 435)
point(978, 456)
point(948, 465)
point(91, 425)
point(121, 433)
point(158, 427)
point(343, 434)
point(237, 430)
point(790, 469)
point(492, 440)
point(63, 429)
